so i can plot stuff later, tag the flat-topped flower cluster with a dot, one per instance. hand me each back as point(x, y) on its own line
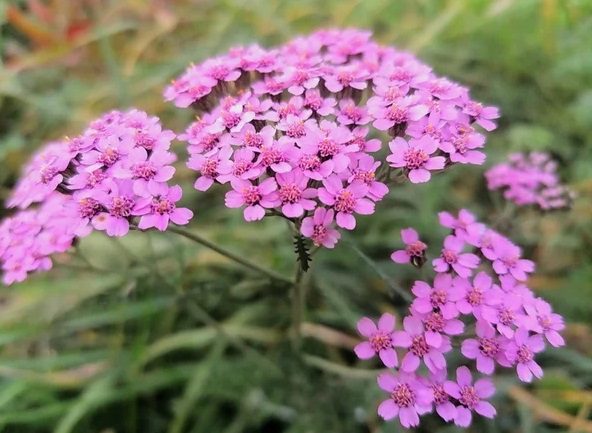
point(530, 179)
point(479, 299)
point(295, 130)
point(115, 173)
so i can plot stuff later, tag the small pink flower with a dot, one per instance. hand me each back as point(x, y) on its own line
point(504, 315)
point(522, 351)
point(437, 327)
point(400, 111)
point(345, 201)
point(210, 167)
point(161, 209)
point(147, 171)
point(465, 226)
point(255, 197)
point(294, 193)
point(414, 251)
point(408, 398)
point(120, 203)
point(363, 169)
point(444, 406)
point(318, 228)
point(299, 79)
point(320, 105)
point(252, 139)
point(350, 114)
point(346, 76)
point(442, 297)
point(232, 119)
point(453, 258)
point(420, 348)
point(243, 166)
point(471, 397)
point(486, 349)
point(508, 260)
point(415, 156)
point(483, 115)
point(382, 340)
point(544, 321)
point(476, 294)
point(461, 146)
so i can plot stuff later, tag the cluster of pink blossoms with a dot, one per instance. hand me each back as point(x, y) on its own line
point(530, 179)
point(289, 128)
point(480, 301)
point(28, 238)
point(114, 174)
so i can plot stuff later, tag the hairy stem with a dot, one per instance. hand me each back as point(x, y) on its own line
point(230, 255)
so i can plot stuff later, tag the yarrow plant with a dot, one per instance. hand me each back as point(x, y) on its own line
point(477, 305)
point(315, 131)
point(530, 179)
point(291, 130)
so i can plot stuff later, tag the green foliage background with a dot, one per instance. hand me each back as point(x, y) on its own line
point(153, 334)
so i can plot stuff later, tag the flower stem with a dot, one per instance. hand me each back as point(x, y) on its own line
point(297, 309)
point(230, 255)
point(396, 289)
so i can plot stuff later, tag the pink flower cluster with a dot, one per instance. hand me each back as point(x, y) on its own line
point(112, 175)
point(530, 179)
point(289, 128)
point(28, 238)
point(479, 302)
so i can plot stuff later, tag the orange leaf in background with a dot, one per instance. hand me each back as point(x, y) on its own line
point(30, 28)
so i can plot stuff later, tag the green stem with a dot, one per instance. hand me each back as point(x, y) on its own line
point(406, 296)
point(230, 255)
point(297, 309)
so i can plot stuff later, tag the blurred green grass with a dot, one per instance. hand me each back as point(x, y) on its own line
point(155, 334)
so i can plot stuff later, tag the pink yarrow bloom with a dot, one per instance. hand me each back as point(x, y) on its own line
point(471, 397)
point(408, 398)
point(443, 297)
point(476, 294)
point(345, 200)
point(508, 260)
point(483, 115)
point(160, 209)
point(444, 407)
point(257, 198)
point(419, 348)
point(487, 349)
point(542, 320)
point(120, 203)
point(453, 258)
point(521, 352)
point(415, 157)
point(382, 340)
point(414, 251)
point(319, 228)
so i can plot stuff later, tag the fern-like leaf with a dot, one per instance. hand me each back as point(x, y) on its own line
point(302, 252)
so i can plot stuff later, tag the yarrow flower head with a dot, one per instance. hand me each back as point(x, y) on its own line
point(530, 179)
point(114, 175)
point(300, 117)
point(490, 296)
